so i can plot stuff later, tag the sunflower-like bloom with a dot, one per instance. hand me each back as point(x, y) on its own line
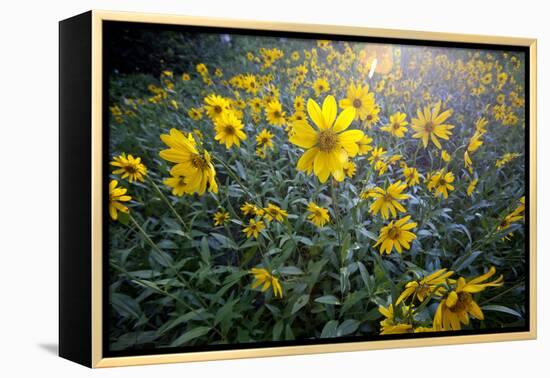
point(455, 309)
point(196, 167)
point(254, 228)
point(263, 277)
point(130, 167)
point(359, 98)
point(387, 201)
point(251, 209)
point(441, 182)
point(215, 106)
point(116, 196)
point(229, 130)
point(317, 214)
point(329, 146)
point(411, 176)
point(350, 168)
point(430, 125)
point(265, 139)
point(429, 285)
point(274, 212)
point(320, 86)
point(397, 125)
point(220, 218)
point(274, 113)
point(396, 235)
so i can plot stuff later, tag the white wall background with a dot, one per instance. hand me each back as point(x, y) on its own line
point(29, 174)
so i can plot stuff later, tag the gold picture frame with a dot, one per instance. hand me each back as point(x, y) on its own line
point(94, 22)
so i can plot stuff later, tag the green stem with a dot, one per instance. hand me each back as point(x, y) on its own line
point(163, 197)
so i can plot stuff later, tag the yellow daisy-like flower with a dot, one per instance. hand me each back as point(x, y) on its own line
point(220, 218)
point(321, 86)
point(364, 145)
point(215, 106)
point(349, 169)
point(387, 201)
point(429, 285)
point(254, 228)
point(274, 113)
point(229, 130)
point(317, 214)
point(430, 125)
point(441, 182)
point(265, 279)
point(251, 209)
point(472, 187)
point(372, 117)
point(397, 125)
point(506, 158)
point(455, 309)
point(265, 139)
point(195, 114)
point(396, 235)
point(359, 98)
point(299, 103)
point(116, 196)
point(376, 155)
point(274, 212)
point(411, 176)
point(196, 167)
point(129, 167)
point(329, 146)
point(389, 325)
point(178, 184)
point(185, 77)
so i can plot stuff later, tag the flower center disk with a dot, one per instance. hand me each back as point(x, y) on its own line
point(327, 140)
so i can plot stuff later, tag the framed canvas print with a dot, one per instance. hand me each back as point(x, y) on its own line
point(234, 189)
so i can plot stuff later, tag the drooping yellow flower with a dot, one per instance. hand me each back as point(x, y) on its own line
point(506, 158)
point(472, 187)
point(329, 146)
point(515, 216)
point(220, 218)
point(274, 212)
point(229, 130)
point(318, 215)
point(411, 176)
point(430, 284)
point(117, 195)
point(396, 235)
point(441, 183)
point(390, 325)
point(196, 167)
point(274, 113)
point(177, 183)
point(430, 125)
point(254, 228)
point(265, 139)
point(455, 309)
point(359, 98)
point(215, 106)
point(320, 86)
point(129, 167)
point(263, 277)
point(387, 201)
point(397, 125)
point(445, 156)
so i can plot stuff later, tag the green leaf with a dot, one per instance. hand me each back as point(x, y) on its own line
point(500, 308)
point(328, 299)
point(205, 250)
point(329, 330)
point(347, 327)
point(300, 302)
point(190, 335)
point(290, 270)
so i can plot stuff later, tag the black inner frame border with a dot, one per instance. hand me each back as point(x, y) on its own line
point(109, 27)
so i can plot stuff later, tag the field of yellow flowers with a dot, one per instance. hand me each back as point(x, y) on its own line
point(306, 189)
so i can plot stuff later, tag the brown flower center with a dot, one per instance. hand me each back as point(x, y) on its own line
point(429, 126)
point(357, 103)
point(396, 126)
point(218, 109)
point(276, 114)
point(229, 130)
point(442, 182)
point(327, 140)
point(463, 302)
point(394, 232)
point(199, 162)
